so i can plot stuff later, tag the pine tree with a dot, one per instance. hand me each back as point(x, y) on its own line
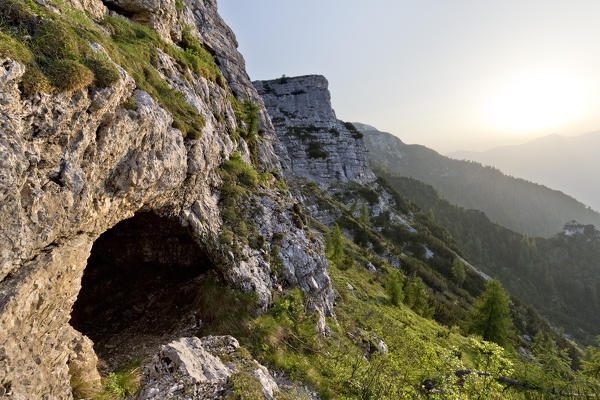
point(364, 214)
point(556, 362)
point(416, 297)
point(335, 246)
point(393, 287)
point(458, 271)
point(491, 316)
point(353, 208)
point(591, 364)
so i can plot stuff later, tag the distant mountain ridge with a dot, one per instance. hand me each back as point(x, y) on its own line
point(520, 205)
point(566, 163)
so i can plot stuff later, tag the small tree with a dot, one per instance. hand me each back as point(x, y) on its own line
point(353, 208)
point(491, 316)
point(416, 297)
point(393, 286)
point(458, 271)
point(335, 246)
point(591, 365)
point(364, 217)
point(556, 362)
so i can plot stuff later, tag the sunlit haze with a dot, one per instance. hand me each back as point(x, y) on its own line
point(449, 75)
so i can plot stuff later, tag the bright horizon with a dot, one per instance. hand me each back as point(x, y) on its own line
point(459, 76)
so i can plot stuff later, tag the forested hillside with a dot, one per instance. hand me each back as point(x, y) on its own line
point(520, 205)
point(560, 275)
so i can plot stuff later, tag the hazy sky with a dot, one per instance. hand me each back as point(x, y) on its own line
point(448, 74)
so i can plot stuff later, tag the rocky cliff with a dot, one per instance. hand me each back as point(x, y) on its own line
point(321, 148)
point(75, 163)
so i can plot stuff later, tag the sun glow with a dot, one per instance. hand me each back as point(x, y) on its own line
point(536, 102)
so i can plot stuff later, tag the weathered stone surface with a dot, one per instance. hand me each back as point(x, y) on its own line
point(324, 150)
point(320, 147)
point(95, 8)
point(75, 164)
point(192, 368)
point(160, 15)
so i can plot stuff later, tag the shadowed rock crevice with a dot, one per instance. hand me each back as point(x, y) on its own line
point(139, 287)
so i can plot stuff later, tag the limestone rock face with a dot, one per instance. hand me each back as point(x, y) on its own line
point(95, 8)
point(319, 147)
point(192, 368)
point(75, 164)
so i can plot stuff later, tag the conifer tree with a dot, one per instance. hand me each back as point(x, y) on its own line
point(591, 365)
point(416, 297)
point(364, 214)
point(393, 287)
point(354, 207)
point(458, 271)
point(491, 316)
point(556, 362)
point(335, 246)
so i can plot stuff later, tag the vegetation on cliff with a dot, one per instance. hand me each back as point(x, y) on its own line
point(60, 54)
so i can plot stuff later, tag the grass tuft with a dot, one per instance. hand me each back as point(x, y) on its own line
point(68, 75)
point(130, 104)
point(122, 383)
point(56, 40)
point(245, 386)
point(105, 72)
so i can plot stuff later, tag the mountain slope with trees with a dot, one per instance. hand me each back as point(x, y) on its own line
point(520, 205)
point(560, 275)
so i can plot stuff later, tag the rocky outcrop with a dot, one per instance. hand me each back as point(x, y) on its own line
point(75, 164)
point(192, 368)
point(321, 148)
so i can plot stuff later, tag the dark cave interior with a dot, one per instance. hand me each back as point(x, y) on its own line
point(139, 287)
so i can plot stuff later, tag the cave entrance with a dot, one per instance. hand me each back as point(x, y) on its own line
point(139, 288)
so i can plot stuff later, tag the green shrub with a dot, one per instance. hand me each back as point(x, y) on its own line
point(56, 40)
point(130, 104)
point(238, 171)
point(179, 5)
point(68, 75)
point(315, 150)
point(245, 386)
point(355, 132)
point(119, 385)
point(105, 72)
